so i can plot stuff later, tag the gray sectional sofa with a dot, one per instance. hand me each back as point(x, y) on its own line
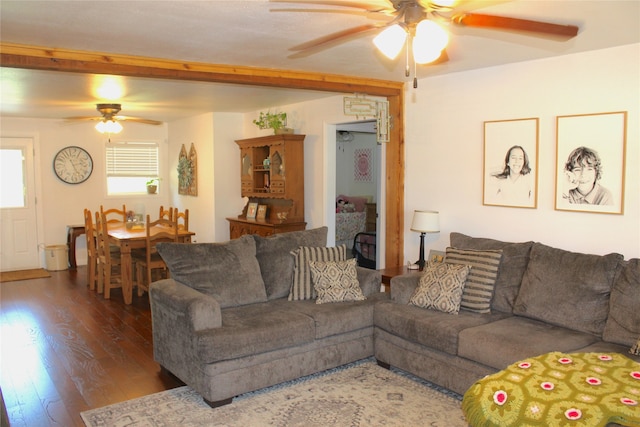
point(544, 299)
point(224, 325)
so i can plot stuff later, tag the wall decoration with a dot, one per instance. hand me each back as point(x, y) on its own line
point(511, 163)
point(362, 165)
point(252, 210)
point(590, 162)
point(188, 171)
point(262, 212)
point(436, 256)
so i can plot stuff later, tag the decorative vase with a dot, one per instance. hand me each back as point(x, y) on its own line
point(152, 189)
point(283, 131)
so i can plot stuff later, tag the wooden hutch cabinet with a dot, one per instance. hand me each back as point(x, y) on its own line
point(271, 174)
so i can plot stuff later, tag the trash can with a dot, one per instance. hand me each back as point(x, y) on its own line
point(56, 257)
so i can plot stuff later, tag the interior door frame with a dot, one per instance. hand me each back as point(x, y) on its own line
point(54, 59)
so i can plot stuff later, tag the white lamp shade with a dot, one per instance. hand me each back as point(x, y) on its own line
point(391, 40)
point(109, 126)
point(426, 221)
point(429, 41)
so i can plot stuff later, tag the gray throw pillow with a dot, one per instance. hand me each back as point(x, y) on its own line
point(478, 289)
point(623, 323)
point(336, 281)
point(276, 261)
point(440, 287)
point(227, 271)
point(568, 289)
point(515, 257)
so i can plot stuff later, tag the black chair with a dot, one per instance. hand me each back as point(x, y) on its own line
point(364, 250)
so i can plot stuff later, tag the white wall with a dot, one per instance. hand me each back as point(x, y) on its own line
point(345, 165)
point(63, 204)
point(444, 149)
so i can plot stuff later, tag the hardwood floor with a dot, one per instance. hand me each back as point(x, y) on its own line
point(65, 349)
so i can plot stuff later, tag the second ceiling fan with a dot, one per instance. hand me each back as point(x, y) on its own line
point(420, 21)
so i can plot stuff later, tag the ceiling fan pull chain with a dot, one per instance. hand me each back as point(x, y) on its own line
point(407, 70)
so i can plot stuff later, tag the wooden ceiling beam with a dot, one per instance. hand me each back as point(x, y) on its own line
point(53, 59)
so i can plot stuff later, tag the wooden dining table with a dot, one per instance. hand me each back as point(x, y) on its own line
point(133, 238)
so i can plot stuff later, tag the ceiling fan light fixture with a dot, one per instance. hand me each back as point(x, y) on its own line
point(391, 40)
point(429, 32)
point(109, 126)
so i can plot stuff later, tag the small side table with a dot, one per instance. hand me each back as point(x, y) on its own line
point(73, 232)
point(391, 272)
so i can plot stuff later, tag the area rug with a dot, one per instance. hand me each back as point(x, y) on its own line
point(359, 394)
point(12, 276)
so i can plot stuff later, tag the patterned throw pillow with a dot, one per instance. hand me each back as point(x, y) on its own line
point(302, 288)
point(336, 281)
point(478, 290)
point(440, 287)
point(636, 348)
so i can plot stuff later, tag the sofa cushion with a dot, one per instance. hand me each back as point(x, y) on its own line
point(431, 328)
point(515, 257)
point(623, 323)
point(440, 287)
point(335, 281)
point(499, 344)
point(302, 287)
point(478, 288)
point(254, 329)
point(276, 261)
point(567, 289)
point(334, 319)
point(227, 271)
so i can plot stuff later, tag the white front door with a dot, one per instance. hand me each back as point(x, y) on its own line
point(18, 225)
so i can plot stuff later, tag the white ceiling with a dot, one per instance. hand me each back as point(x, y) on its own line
point(254, 33)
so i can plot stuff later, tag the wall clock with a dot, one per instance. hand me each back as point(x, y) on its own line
point(73, 165)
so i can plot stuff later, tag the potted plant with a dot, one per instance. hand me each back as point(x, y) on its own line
point(152, 185)
point(275, 121)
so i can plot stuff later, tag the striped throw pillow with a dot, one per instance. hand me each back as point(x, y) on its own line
point(478, 289)
point(302, 287)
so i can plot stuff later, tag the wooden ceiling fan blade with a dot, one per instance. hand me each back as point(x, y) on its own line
point(137, 120)
point(516, 24)
point(329, 39)
point(82, 118)
point(371, 6)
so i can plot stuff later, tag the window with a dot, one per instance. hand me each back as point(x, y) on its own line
point(129, 166)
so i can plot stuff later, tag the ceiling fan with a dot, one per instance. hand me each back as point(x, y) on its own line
point(108, 122)
point(420, 21)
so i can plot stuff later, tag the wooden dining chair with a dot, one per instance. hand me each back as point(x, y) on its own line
point(92, 254)
point(182, 219)
point(166, 213)
point(108, 261)
point(114, 215)
point(161, 230)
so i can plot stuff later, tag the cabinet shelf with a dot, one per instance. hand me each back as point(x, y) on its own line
point(280, 185)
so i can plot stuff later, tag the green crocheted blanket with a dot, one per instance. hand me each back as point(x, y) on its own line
point(557, 389)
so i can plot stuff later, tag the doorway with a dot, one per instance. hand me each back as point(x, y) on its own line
point(358, 175)
point(18, 212)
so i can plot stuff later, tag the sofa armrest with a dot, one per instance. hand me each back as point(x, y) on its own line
point(202, 311)
point(370, 280)
point(403, 287)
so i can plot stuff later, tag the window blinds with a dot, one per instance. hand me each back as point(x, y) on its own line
point(132, 159)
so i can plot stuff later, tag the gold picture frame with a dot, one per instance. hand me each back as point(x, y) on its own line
point(262, 212)
point(510, 176)
point(252, 210)
point(590, 162)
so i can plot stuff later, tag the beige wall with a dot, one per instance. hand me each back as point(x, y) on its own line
point(444, 149)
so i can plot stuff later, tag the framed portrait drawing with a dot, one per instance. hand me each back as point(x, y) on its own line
point(510, 175)
point(590, 162)
point(252, 210)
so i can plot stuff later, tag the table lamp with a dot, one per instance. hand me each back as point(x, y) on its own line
point(424, 222)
